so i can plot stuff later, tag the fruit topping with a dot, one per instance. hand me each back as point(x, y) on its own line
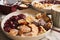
point(21, 16)
point(23, 25)
point(22, 21)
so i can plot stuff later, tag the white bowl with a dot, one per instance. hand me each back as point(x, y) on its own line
point(47, 9)
point(19, 37)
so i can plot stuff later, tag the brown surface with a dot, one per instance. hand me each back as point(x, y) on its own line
point(3, 36)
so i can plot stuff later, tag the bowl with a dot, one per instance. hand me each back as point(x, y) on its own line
point(19, 37)
point(56, 15)
point(42, 8)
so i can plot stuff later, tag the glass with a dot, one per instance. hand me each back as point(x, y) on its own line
point(56, 19)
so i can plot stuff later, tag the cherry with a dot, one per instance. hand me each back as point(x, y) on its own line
point(7, 23)
point(12, 23)
point(12, 18)
point(21, 16)
point(7, 29)
point(16, 18)
point(13, 8)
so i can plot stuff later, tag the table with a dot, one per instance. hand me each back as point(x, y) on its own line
point(51, 36)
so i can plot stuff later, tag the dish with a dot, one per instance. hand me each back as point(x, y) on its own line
point(41, 6)
point(24, 25)
point(19, 37)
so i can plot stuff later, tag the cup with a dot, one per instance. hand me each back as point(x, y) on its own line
point(56, 15)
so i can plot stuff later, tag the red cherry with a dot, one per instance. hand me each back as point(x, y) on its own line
point(13, 8)
point(21, 16)
point(7, 29)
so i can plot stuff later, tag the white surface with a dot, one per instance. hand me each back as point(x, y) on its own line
point(11, 1)
point(1, 2)
point(53, 36)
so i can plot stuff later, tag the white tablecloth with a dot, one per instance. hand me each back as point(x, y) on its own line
point(52, 36)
